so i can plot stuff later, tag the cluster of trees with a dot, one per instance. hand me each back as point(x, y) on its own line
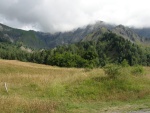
point(13, 52)
point(109, 48)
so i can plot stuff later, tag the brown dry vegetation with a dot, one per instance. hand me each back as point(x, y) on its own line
point(35, 88)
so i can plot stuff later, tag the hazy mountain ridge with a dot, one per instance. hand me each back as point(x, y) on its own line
point(40, 40)
point(127, 33)
point(144, 32)
point(26, 38)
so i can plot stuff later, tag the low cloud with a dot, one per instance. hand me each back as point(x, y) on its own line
point(64, 15)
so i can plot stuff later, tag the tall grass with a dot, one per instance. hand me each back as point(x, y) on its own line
point(39, 88)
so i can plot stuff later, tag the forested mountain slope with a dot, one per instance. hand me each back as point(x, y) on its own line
point(107, 48)
point(40, 40)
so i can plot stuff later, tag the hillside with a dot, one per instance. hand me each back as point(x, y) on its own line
point(40, 40)
point(40, 88)
point(97, 52)
point(25, 38)
point(100, 51)
point(144, 32)
point(92, 46)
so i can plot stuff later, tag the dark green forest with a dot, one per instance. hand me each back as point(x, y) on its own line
point(109, 48)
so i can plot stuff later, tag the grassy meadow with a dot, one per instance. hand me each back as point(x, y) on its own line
point(35, 88)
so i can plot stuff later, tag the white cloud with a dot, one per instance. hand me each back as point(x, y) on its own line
point(62, 15)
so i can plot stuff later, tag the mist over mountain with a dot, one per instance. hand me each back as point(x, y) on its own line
point(64, 15)
point(41, 40)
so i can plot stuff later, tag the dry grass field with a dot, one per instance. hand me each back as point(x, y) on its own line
point(36, 88)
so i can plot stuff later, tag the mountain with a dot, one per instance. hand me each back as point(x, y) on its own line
point(59, 38)
point(26, 38)
point(127, 33)
point(40, 40)
point(100, 51)
point(120, 30)
point(107, 48)
point(145, 33)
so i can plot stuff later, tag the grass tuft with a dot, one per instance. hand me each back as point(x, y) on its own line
point(35, 88)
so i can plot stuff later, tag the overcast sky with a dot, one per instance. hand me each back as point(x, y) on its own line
point(63, 15)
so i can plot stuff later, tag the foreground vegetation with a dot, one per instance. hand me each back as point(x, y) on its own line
point(34, 88)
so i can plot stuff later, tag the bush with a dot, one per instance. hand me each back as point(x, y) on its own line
point(124, 63)
point(112, 70)
point(137, 70)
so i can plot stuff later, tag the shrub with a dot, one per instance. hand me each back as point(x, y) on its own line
point(112, 70)
point(137, 70)
point(124, 63)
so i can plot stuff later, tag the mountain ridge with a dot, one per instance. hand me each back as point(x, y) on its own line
point(40, 40)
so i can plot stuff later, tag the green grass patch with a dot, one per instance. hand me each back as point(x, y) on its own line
point(39, 88)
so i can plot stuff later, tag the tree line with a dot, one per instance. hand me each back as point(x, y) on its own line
point(109, 48)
